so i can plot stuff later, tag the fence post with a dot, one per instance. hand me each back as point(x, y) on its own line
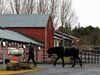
point(92, 57)
point(85, 58)
point(3, 60)
point(88, 57)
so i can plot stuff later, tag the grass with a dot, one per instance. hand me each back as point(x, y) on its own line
point(8, 72)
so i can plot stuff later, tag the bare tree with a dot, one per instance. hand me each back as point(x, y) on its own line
point(65, 11)
point(15, 6)
point(54, 11)
point(2, 6)
point(67, 16)
point(53, 8)
point(42, 6)
point(28, 6)
point(22, 6)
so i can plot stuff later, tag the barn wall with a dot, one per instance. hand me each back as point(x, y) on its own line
point(49, 36)
point(50, 33)
point(33, 32)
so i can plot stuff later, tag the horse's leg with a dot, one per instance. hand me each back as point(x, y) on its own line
point(63, 63)
point(80, 62)
point(74, 61)
point(56, 61)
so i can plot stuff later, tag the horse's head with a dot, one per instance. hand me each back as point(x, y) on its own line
point(49, 53)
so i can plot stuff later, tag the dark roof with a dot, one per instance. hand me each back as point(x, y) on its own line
point(11, 35)
point(59, 36)
point(23, 20)
point(67, 35)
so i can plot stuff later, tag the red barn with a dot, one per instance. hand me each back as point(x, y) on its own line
point(13, 43)
point(35, 26)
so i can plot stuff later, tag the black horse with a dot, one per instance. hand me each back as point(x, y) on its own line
point(61, 52)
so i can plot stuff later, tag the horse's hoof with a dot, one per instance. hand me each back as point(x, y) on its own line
point(54, 65)
point(72, 66)
point(62, 66)
point(81, 66)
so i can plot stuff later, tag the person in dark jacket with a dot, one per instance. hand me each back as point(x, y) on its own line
point(31, 54)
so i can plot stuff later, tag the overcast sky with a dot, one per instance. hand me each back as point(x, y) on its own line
point(88, 12)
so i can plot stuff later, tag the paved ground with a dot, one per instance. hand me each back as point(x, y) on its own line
point(89, 69)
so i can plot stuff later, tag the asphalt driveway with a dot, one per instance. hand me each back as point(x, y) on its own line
point(49, 69)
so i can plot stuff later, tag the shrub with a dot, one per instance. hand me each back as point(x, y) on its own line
point(18, 66)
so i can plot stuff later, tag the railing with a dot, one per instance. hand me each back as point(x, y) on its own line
point(88, 54)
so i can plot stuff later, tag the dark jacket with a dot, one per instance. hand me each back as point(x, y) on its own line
point(31, 50)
